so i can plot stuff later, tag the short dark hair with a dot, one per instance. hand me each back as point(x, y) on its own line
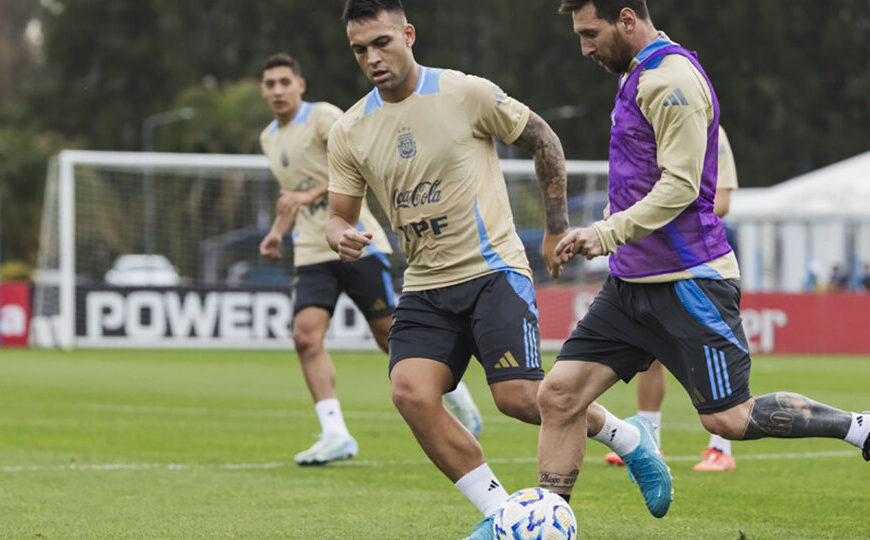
point(357, 10)
point(607, 9)
point(283, 59)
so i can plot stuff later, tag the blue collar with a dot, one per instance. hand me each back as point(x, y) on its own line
point(659, 43)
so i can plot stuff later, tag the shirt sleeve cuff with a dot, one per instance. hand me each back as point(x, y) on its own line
point(606, 235)
point(341, 190)
point(521, 125)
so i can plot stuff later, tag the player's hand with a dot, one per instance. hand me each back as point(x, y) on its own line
point(289, 202)
point(584, 242)
point(352, 244)
point(554, 261)
point(270, 247)
point(606, 212)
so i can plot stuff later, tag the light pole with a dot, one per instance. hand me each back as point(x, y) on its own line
point(148, 125)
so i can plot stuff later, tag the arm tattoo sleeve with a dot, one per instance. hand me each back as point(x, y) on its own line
point(541, 141)
point(787, 415)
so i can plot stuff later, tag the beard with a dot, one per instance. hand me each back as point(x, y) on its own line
point(623, 57)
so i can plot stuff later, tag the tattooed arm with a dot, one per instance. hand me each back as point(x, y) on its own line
point(541, 141)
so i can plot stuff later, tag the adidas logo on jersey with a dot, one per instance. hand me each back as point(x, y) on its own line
point(860, 421)
point(378, 305)
point(676, 99)
point(493, 485)
point(506, 361)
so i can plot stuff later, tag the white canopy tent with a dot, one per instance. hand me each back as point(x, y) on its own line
point(793, 234)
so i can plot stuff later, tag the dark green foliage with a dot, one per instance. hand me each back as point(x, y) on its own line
point(793, 78)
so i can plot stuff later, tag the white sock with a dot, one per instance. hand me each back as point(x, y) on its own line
point(331, 420)
point(618, 435)
point(723, 445)
point(483, 489)
point(656, 418)
point(859, 429)
point(456, 396)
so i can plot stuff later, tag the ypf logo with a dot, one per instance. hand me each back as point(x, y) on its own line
point(407, 145)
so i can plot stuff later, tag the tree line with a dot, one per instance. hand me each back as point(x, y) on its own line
point(793, 78)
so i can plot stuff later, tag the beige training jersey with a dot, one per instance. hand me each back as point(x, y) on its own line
point(297, 157)
point(431, 162)
point(681, 140)
point(727, 169)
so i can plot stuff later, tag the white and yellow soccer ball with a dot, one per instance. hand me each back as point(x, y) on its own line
point(535, 514)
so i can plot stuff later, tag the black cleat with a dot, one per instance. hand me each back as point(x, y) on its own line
point(866, 451)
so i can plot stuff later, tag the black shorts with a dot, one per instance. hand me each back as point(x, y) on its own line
point(693, 326)
point(367, 282)
point(493, 317)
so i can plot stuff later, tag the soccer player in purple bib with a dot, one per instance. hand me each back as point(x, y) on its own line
point(672, 293)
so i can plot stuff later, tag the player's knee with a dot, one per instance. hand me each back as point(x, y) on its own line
point(517, 398)
point(555, 397)
point(408, 397)
point(383, 342)
point(726, 426)
point(381, 332)
point(306, 339)
point(524, 408)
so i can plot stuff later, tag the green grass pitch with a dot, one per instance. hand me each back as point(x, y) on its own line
point(200, 444)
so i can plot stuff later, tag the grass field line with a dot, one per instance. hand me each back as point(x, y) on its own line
point(206, 411)
point(519, 460)
point(356, 463)
point(309, 413)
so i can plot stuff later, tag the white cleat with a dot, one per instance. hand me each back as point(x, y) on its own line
point(460, 403)
point(330, 447)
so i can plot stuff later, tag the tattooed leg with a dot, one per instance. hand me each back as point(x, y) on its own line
point(788, 415)
point(558, 483)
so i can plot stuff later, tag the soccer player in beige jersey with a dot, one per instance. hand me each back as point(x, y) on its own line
point(295, 143)
point(422, 140)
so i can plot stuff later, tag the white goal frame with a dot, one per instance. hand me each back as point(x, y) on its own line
point(63, 329)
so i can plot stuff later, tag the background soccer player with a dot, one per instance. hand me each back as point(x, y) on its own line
point(295, 143)
point(422, 140)
point(651, 384)
point(672, 293)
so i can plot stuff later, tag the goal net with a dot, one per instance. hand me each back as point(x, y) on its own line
point(161, 250)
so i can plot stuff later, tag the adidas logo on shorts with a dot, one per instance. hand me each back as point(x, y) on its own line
point(506, 361)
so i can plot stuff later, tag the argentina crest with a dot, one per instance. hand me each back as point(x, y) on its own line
point(407, 144)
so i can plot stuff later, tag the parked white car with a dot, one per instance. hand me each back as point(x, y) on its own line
point(142, 270)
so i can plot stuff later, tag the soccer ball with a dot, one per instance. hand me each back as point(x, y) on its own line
point(535, 514)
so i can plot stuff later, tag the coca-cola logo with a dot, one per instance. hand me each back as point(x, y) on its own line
point(424, 193)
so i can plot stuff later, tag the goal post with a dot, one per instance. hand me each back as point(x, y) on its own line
point(160, 250)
